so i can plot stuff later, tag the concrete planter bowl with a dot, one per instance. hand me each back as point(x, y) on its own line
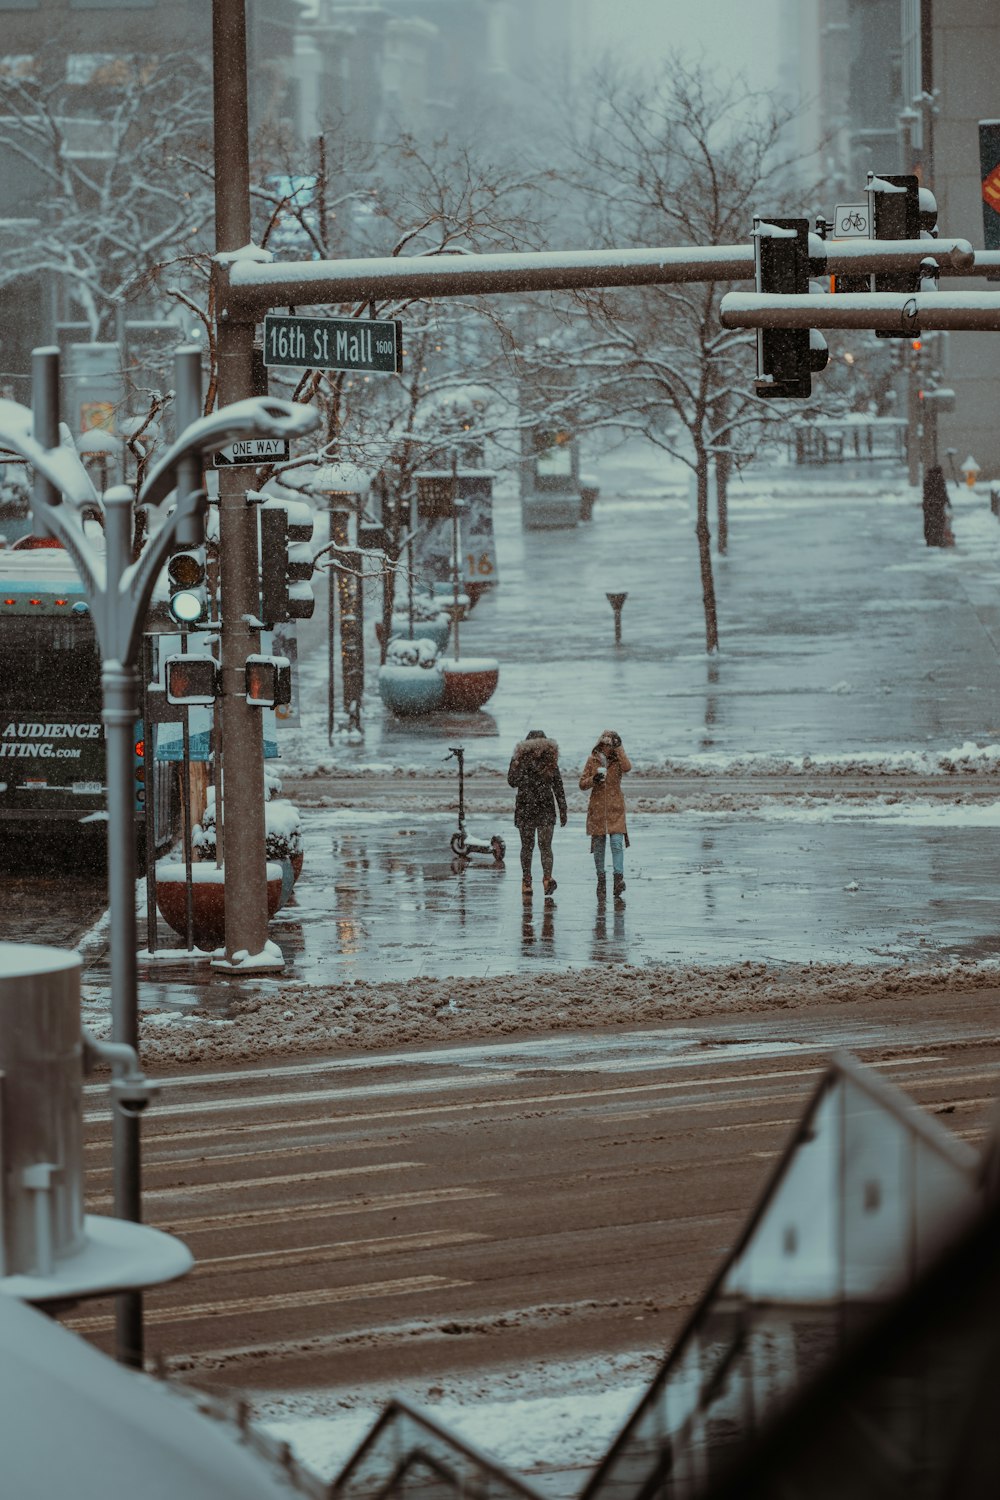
point(207, 899)
point(411, 690)
point(469, 683)
point(436, 630)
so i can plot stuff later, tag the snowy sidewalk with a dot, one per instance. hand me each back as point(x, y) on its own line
point(841, 632)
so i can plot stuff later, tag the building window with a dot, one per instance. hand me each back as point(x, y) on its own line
point(17, 65)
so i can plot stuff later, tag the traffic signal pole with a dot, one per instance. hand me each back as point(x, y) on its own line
point(242, 793)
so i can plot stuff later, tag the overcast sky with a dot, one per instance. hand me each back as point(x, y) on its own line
point(740, 35)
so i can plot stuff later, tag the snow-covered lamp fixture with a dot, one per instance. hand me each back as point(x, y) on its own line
point(971, 471)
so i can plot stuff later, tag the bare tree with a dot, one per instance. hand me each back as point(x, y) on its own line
point(682, 159)
point(98, 162)
point(454, 389)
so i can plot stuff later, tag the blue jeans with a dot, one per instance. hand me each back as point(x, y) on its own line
point(617, 852)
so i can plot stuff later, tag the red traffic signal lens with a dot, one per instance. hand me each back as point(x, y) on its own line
point(140, 748)
point(185, 570)
point(191, 679)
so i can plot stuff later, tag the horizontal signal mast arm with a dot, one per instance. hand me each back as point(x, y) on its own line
point(248, 288)
point(846, 257)
point(254, 287)
point(889, 311)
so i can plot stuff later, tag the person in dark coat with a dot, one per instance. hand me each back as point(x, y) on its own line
point(534, 771)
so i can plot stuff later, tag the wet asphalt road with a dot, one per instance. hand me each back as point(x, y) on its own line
point(365, 1217)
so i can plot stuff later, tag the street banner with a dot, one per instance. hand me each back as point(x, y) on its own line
point(479, 547)
point(434, 542)
point(989, 176)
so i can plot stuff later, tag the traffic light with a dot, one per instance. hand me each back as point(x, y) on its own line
point(268, 681)
point(286, 564)
point(927, 211)
point(186, 575)
point(895, 211)
point(191, 679)
point(785, 356)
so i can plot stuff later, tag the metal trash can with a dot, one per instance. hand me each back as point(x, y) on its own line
point(41, 1097)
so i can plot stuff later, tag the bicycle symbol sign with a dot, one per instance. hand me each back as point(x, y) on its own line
point(850, 220)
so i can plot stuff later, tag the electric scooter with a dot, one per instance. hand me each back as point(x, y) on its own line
point(461, 845)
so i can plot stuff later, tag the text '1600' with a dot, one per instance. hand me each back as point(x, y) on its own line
point(334, 344)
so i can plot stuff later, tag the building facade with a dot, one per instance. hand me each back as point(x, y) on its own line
point(64, 65)
point(900, 85)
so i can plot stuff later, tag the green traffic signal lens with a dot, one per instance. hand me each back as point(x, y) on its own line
point(186, 607)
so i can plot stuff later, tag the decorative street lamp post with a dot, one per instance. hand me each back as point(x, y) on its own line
point(119, 590)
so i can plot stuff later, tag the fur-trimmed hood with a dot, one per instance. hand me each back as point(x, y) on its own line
point(539, 748)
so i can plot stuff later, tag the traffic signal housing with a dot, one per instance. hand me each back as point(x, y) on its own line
point(268, 681)
point(895, 211)
point(286, 564)
point(186, 578)
point(190, 679)
point(786, 357)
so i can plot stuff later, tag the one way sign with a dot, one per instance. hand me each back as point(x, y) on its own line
point(252, 451)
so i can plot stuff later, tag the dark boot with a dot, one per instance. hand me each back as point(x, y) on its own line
point(619, 886)
point(549, 884)
point(602, 887)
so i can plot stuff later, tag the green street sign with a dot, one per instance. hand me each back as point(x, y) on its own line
point(366, 344)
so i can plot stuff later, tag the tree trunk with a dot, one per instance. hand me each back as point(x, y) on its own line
point(388, 598)
point(705, 557)
point(723, 466)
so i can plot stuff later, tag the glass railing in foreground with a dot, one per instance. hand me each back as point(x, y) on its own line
point(858, 1206)
point(406, 1454)
point(908, 1410)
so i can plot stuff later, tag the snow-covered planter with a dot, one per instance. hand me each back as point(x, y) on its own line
point(436, 628)
point(469, 683)
point(282, 835)
point(208, 900)
point(411, 682)
point(445, 598)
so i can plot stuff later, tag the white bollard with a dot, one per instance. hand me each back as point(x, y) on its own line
point(41, 1092)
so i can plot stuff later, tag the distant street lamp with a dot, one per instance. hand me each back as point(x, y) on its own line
point(971, 471)
point(98, 446)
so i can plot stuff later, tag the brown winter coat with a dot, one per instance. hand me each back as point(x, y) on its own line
point(606, 808)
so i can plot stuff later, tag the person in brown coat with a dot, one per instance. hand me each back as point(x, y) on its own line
point(602, 777)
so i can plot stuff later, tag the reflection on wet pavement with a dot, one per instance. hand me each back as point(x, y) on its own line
point(380, 900)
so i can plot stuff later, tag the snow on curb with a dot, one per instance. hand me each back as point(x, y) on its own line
point(285, 1018)
point(968, 759)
